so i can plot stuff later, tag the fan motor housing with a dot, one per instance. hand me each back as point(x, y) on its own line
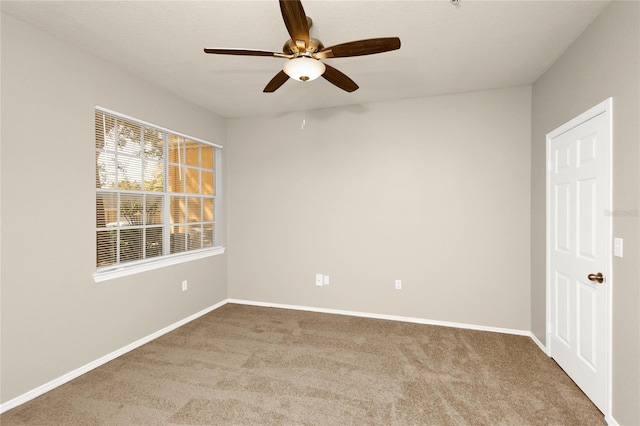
point(290, 47)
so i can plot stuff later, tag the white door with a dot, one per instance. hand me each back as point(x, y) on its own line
point(579, 250)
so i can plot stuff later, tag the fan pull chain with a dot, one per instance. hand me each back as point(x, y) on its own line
point(303, 106)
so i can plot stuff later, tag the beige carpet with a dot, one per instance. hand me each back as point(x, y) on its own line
point(244, 365)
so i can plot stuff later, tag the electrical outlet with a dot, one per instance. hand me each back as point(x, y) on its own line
point(319, 280)
point(398, 284)
point(325, 280)
point(185, 286)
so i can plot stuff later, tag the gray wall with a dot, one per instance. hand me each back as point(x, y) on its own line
point(603, 62)
point(433, 191)
point(54, 317)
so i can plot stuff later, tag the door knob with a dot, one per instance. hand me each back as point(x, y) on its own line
point(596, 277)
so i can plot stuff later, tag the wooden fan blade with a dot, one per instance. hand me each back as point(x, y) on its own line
point(245, 52)
point(295, 20)
point(359, 48)
point(339, 79)
point(276, 82)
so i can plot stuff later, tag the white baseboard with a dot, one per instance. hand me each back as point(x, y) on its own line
point(539, 343)
point(611, 421)
point(34, 393)
point(384, 317)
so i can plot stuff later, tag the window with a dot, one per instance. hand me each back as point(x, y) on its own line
point(156, 194)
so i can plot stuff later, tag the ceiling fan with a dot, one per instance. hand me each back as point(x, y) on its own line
point(303, 53)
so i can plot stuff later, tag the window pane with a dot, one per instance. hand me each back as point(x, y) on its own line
point(106, 247)
point(129, 137)
point(130, 244)
point(207, 183)
point(178, 239)
point(176, 180)
point(207, 204)
point(153, 176)
point(131, 209)
point(153, 210)
point(106, 209)
point(100, 128)
point(192, 153)
point(178, 210)
point(153, 242)
point(207, 235)
point(192, 181)
point(105, 170)
point(153, 144)
point(129, 173)
point(174, 143)
point(105, 130)
point(195, 212)
point(207, 156)
point(195, 236)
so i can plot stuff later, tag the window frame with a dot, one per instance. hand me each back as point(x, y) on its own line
point(116, 270)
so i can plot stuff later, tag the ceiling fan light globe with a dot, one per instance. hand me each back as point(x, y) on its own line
point(304, 69)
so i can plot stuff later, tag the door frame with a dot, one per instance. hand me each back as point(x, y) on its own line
point(604, 107)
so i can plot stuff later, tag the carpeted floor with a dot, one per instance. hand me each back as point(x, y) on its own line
point(245, 365)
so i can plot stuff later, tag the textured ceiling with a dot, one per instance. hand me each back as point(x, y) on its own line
point(446, 48)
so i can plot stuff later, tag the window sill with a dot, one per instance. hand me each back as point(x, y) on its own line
point(124, 271)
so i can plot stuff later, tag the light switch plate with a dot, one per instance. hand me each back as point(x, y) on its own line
point(617, 247)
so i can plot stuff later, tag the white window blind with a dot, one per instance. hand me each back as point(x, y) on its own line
point(156, 192)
